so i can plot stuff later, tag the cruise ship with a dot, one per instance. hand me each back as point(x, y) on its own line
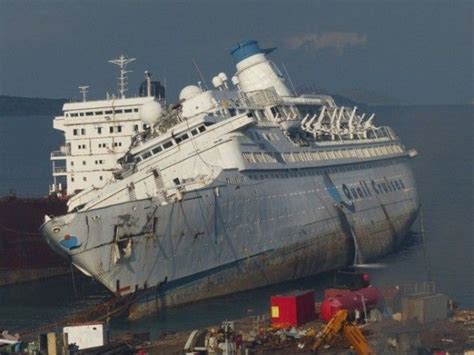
point(240, 186)
point(96, 133)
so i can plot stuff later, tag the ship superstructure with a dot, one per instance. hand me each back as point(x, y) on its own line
point(97, 133)
point(238, 187)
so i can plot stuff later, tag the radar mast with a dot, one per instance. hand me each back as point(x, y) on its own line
point(83, 90)
point(122, 63)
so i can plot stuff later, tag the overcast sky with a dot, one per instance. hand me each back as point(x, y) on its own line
point(419, 52)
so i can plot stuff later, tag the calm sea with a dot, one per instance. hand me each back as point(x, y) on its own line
point(443, 136)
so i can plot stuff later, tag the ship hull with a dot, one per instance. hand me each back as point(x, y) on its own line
point(272, 227)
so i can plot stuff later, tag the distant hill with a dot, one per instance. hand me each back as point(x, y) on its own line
point(25, 106)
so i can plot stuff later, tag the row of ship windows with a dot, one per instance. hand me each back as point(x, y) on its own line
point(100, 145)
point(305, 172)
point(171, 142)
point(96, 162)
point(274, 157)
point(100, 113)
point(112, 129)
point(84, 178)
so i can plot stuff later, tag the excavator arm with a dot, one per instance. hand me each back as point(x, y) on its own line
point(355, 337)
point(332, 329)
point(339, 324)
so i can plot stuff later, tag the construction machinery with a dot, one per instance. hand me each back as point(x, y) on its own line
point(351, 332)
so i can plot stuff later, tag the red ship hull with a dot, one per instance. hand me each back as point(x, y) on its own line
point(24, 255)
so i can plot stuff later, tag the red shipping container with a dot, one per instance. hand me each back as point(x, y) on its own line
point(292, 309)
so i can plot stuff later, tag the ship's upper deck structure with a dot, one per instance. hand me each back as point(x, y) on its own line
point(97, 133)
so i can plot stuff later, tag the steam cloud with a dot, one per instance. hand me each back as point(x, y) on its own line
point(336, 40)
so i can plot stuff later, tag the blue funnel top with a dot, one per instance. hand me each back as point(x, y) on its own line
point(245, 49)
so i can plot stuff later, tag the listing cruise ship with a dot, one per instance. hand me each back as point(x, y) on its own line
point(240, 186)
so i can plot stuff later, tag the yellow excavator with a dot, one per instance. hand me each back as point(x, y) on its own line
point(339, 323)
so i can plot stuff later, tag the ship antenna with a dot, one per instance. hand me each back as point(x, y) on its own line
point(83, 90)
point(200, 74)
point(122, 62)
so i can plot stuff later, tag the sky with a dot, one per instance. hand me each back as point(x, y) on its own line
point(416, 52)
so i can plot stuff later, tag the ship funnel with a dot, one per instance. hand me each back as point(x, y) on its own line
point(255, 71)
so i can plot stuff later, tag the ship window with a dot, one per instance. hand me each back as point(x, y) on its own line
point(99, 112)
point(135, 128)
point(109, 112)
point(99, 130)
point(146, 155)
point(101, 178)
point(111, 129)
point(72, 163)
point(275, 111)
point(128, 110)
point(138, 159)
point(167, 145)
point(202, 129)
point(72, 179)
point(83, 162)
point(119, 129)
point(135, 110)
point(74, 132)
point(232, 112)
point(74, 114)
point(157, 150)
point(194, 132)
point(81, 114)
point(84, 178)
point(89, 113)
point(118, 111)
point(83, 131)
point(182, 138)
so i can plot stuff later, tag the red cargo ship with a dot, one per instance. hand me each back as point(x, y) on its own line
point(24, 256)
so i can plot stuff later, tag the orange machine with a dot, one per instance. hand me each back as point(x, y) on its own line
point(351, 332)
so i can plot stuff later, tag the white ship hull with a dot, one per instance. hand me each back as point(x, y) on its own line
point(230, 237)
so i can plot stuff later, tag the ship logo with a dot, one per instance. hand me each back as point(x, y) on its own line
point(70, 242)
point(334, 193)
